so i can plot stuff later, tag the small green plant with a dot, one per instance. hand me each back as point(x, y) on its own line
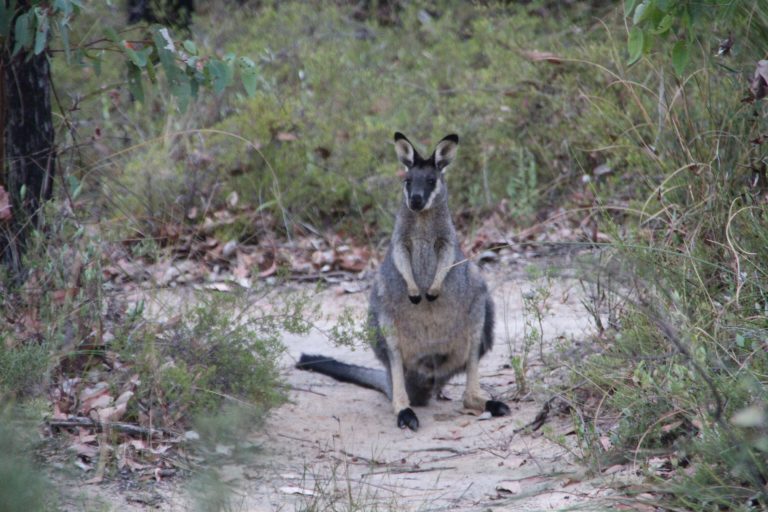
point(23, 366)
point(522, 182)
point(220, 351)
point(534, 309)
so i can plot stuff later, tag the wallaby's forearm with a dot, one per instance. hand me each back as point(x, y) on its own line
point(401, 257)
point(445, 259)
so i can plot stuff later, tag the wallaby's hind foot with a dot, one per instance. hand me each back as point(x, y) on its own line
point(497, 408)
point(407, 418)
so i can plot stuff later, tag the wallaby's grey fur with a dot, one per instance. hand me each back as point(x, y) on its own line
point(424, 343)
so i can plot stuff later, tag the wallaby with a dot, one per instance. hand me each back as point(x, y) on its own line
point(423, 343)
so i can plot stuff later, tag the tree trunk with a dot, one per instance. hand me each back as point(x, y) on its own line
point(29, 151)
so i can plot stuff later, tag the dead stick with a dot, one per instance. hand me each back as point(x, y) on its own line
point(126, 428)
point(411, 470)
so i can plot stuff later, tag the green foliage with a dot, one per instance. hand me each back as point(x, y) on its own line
point(691, 22)
point(680, 366)
point(186, 70)
point(23, 366)
point(22, 485)
point(217, 354)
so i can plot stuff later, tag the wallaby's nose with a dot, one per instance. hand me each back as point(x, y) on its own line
point(417, 202)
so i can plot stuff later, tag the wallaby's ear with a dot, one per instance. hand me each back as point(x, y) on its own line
point(446, 151)
point(404, 150)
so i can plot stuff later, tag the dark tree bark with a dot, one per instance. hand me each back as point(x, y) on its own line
point(29, 154)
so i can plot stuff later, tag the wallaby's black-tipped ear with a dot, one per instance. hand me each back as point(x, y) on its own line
point(445, 151)
point(404, 150)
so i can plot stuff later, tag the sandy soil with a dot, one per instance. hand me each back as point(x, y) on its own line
point(336, 446)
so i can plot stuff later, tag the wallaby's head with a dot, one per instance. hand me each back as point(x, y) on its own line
point(424, 181)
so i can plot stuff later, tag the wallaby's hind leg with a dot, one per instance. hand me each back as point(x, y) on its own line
point(400, 403)
point(481, 339)
point(388, 351)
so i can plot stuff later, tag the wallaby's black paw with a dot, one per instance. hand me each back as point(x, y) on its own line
point(431, 298)
point(415, 299)
point(407, 418)
point(497, 408)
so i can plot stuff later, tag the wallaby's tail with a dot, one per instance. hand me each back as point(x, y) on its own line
point(367, 377)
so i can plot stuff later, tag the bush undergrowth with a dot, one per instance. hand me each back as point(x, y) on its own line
point(671, 168)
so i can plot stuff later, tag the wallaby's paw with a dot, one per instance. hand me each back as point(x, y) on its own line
point(415, 299)
point(432, 298)
point(497, 408)
point(407, 418)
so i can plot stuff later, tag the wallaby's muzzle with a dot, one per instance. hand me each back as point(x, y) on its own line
point(417, 202)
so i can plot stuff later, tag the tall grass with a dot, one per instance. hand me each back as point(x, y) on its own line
point(686, 366)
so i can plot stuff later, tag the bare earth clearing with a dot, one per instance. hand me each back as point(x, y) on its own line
point(336, 446)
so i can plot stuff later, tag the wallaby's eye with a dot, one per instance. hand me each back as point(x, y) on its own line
point(431, 182)
point(407, 182)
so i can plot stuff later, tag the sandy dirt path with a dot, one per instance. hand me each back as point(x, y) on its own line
point(336, 446)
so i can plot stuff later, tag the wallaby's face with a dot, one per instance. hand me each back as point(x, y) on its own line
point(424, 180)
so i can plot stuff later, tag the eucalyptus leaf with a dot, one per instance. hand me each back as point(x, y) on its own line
point(629, 6)
point(680, 56)
point(640, 12)
point(23, 32)
point(112, 35)
point(635, 45)
point(134, 82)
point(665, 24)
point(41, 34)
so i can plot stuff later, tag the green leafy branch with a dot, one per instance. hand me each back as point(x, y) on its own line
point(33, 24)
point(654, 21)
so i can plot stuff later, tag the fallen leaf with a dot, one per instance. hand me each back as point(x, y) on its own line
point(614, 469)
point(270, 271)
point(123, 398)
point(297, 490)
point(109, 414)
point(286, 137)
point(84, 450)
point(671, 426)
point(538, 56)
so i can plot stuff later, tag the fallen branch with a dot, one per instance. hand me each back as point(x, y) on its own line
point(126, 428)
point(411, 470)
point(540, 418)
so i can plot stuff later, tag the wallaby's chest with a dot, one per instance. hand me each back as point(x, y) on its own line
point(423, 253)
